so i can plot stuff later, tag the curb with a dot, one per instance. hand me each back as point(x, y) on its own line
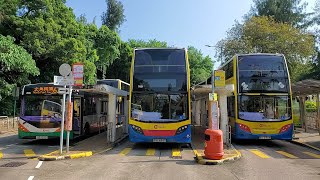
point(304, 144)
point(71, 156)
point(201, 159)
point(49, 157)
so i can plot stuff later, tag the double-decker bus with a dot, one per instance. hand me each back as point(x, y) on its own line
point(159, 108)
point(119, 84)
point(260, 107)
point(40, 116)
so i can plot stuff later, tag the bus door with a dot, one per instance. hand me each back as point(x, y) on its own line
point(77, 116)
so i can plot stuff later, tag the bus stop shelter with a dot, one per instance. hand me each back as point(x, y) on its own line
point(113, 94)
point(302, 90)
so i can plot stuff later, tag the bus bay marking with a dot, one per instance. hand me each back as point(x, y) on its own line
point(176, 152)
point(29, 152)
point(125, 151)
point(312, 154)
point(287, 154)
point(1, 155)
point(259, 153)
point(150, 152)
point(31, 177)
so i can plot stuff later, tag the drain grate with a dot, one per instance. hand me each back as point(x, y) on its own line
point(13, 164)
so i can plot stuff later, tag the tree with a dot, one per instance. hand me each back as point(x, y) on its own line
point(153, 43)
point(200, 67)
point(114, 16)
point(16, 65)
point(48, 30)
point(120, 68)
point(282, 11)
point(107, 43)
point(265, 35)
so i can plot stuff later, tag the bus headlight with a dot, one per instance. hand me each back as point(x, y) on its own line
point(137, 129)
point(181, 129)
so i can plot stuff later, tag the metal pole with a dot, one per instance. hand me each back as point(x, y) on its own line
point(68, 131)
point(62, 120)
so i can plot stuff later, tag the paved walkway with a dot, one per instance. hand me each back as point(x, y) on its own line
point(310, 138)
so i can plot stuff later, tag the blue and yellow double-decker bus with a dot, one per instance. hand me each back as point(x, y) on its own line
point(159, 108)
point(260, 106)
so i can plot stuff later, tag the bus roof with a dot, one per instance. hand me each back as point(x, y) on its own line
point(250, 54)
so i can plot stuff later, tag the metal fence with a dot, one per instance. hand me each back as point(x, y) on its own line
point(8, 123)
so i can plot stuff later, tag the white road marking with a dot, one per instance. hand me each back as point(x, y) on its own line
point(31, 177)
point(39, 164)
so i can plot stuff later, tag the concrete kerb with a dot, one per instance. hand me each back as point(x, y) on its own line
point(304, 144)
point(62, 157)
point(51, 157)
point(202, 160)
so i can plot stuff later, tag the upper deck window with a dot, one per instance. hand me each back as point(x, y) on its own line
point(259, 73)
point(160, 60)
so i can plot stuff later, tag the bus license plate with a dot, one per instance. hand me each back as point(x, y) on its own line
point(264, 137)
point(41, 137)
point(159, 140)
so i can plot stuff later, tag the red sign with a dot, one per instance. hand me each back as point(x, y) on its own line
point(68, 125)
point(77, 71)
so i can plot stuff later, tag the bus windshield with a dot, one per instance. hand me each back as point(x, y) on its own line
point(159, 107)
point(262, 73)
point(264, 108)
point(42, 106)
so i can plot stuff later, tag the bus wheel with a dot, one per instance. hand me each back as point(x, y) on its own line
point(87, 129)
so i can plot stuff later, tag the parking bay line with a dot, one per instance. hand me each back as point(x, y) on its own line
point(287, 154)
point(312, 154)
point(259, 153)
point(176, 152)
point(150, 152)
point(125, 151)
point(29, 152)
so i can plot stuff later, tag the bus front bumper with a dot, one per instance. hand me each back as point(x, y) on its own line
point(184, 137)
point(241, 134)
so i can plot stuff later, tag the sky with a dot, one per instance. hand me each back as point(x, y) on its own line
point(180, 23)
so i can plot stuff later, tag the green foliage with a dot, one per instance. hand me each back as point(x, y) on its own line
point(282, 11)
point(114, 16)
point(265, 35)
point(16, 65)
point(107, 43)
point(50, 32)
point(147, 44)
point(311, 106)
point(200, 67)
point(120, 68)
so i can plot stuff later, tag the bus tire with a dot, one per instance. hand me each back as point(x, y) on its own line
point(87, 129)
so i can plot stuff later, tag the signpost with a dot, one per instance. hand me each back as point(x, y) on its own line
point(64, 70)
point(68, 78)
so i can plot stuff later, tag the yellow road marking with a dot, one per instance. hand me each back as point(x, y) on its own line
point(176, 152)
point(198, 155)
point(313, 155)
point(29, 152)
point(150, 152)
point(1, 155)
point(259, 153)
point(125, 151)
point(287, 154)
